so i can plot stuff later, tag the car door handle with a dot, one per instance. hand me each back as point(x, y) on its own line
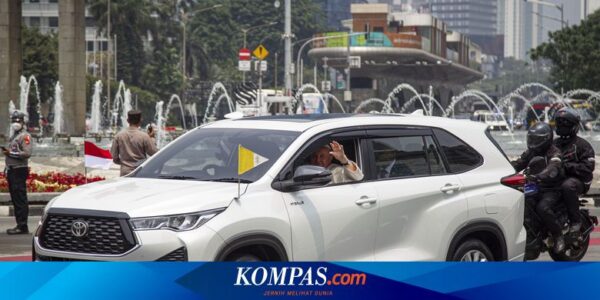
point(450, 188)
point(365, 200)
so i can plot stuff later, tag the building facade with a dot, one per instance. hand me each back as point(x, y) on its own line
point(471, 17)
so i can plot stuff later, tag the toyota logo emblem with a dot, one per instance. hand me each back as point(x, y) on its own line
point(79, 228)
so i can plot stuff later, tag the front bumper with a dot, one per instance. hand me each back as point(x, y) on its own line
point(201, 244)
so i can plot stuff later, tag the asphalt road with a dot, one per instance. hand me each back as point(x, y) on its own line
point(18, 247)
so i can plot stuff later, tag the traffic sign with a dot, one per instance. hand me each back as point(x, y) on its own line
point(354, 62)
point(244, 65)
point(261, 52)
point(326, 86)
point(244, 54)
point(262, 64)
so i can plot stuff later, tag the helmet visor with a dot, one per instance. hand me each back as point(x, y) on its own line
point(537, 140)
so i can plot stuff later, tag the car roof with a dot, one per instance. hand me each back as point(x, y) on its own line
point(302, 123)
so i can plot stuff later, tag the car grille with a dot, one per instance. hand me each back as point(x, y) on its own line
point(177, 255)
point(105, 236)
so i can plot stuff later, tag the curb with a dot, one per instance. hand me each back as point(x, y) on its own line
point(37, 202)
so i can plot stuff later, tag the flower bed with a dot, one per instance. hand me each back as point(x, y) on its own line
point(50, 182)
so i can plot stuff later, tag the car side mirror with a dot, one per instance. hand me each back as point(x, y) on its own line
point(305, 176)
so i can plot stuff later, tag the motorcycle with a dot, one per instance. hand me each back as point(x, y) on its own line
point(539, 239)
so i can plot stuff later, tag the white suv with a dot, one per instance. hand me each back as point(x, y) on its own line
point(433, 189)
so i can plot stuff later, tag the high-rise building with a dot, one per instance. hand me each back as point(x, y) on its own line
point(588, 7)
point(470, 17)
point(524, 27)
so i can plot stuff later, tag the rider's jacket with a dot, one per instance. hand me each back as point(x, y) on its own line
point(578, 158)
point(552, 174)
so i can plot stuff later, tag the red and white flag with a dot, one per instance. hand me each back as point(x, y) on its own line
point(96, 157)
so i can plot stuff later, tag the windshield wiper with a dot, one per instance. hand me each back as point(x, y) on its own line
point(231, 180)
point(176, 177)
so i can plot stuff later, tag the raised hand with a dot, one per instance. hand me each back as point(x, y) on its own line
point(337, 151)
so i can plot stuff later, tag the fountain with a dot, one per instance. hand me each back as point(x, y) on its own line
point(398, 89)
point(328, 95)
point(216, 87)
point(122, 101)
point(25, 87)
point(426, 111)
point(58, 109)
point(218, 102)
point(169, 104)
point(193, 114)
point(386, 107)
point(96, 114)
point(160, 133)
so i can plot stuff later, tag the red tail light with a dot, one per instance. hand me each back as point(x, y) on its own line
point(516, 181)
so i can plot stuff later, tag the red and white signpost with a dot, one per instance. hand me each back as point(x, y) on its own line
point(244, 60)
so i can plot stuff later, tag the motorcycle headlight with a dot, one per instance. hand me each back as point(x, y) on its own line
point(175, 222)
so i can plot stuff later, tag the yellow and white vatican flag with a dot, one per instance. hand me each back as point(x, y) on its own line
point(247, 160)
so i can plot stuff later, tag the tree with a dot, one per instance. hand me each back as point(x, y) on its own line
point(40, 59)
point(130, 21)
point(574, 53)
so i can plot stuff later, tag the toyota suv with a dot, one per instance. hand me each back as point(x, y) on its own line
point(446, 194)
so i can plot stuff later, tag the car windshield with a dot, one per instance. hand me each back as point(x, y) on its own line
point(211, 154)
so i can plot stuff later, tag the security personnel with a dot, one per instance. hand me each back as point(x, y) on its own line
point(132, 146)
point(17, 155)
point(579, 162)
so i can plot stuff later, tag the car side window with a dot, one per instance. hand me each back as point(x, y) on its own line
point(397, 157)
point(350, 145)
point(436, 163)
point(459, 156)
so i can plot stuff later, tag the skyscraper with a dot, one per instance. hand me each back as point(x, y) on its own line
point(471, 17)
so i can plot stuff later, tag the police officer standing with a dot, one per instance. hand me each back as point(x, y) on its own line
point(17, 155)
point(132, 146)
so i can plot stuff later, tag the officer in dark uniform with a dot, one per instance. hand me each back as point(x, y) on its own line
point(17, 155)
point(579, 162)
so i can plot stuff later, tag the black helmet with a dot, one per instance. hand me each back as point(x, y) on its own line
point(539, 137)
point(567, 122)
point(17, 117)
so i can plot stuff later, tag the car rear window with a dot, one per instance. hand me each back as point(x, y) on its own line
point(460, 156)
point(488, 133)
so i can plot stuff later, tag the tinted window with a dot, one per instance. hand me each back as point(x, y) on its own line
point(460, 156)
point(211, 154)
point(400, 157)
point(434, 157)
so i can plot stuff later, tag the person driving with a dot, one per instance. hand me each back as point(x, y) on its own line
point(579, 161)
point(346, 172)
point(540, 143)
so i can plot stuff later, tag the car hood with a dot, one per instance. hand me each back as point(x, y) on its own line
point(141, 197)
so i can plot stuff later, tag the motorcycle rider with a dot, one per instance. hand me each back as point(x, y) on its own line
point(540, 143)
point(579, 163)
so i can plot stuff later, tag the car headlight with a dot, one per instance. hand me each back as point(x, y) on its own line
point(175, 222)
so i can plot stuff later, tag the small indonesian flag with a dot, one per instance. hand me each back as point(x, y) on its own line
point(248, 160)
point(96, 157)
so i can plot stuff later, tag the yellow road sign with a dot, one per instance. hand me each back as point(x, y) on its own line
point(260, 52)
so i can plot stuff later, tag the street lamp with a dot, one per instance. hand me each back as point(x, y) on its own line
point(184, 16)
point(548, 17)
point(319, 38)
point(245, 30)
point(560, 7)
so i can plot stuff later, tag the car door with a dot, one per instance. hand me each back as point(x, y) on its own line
point(420, 203)
point(337, 221)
